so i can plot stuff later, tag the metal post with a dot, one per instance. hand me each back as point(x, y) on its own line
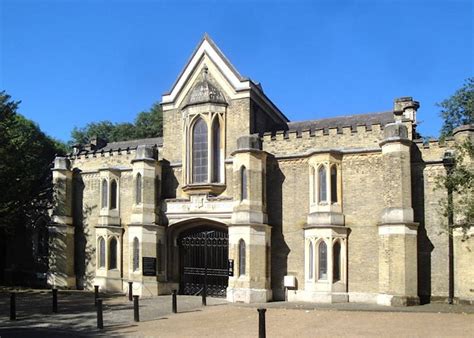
point(261, 323)
point(100, 318)
point(130, 291)
point(204, 288)
point(13, 306)
point(55, 300)
point(136, 314)
point(175, 303)
point(449, 163)
point(96, 294)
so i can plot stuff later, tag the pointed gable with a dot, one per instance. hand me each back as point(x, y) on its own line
point(207, 53)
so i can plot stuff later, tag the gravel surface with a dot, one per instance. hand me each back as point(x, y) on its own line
point(77, 318)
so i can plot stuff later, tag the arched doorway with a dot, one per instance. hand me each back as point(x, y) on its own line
point(204, 261)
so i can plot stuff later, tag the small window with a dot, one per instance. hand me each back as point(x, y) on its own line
point(334, 184)
point(101, 252)
point(113, 195)
point(200, 152)
point(323, 261)
point(216, 151)
point(243, 183)
point(310, 261)
point(105, 193)
point(136, 254)
point(138, 189)
point(241, 257)
point(322, 184)
point(336, 269)
point(113, 254)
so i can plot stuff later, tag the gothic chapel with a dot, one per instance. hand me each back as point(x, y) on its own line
point(238, 200)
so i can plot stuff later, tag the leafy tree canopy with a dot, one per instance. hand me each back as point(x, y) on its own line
point(458, 109)
point(147, 124)
point(26, 155)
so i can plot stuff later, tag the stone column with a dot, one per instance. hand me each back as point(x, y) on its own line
point(145, 226)
point(397, 231)
point(61, 231)
point(249, 220)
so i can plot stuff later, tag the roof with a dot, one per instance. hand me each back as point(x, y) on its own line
point(122, 145)
point(343, 121)
point(207, 38)
point(133, 144)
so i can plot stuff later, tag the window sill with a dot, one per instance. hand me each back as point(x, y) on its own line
point(200, 188)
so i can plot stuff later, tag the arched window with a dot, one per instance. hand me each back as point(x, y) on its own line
point(323, 261)
point(336, 261)
point(105, 193)
point(310, 261)
point(241, 257)
point(200, 152)
point(334, 184)
point(101, 252)
point(113, 254)
point(136, 254)
point(113, 195)
point(138, 189)
point(243, 183)
point(322, 184)
point(313, 177)
point(216, 151)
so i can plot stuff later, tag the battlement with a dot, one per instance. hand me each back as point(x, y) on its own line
point(298, 141)
point(433, 149)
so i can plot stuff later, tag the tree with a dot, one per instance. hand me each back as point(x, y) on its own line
point(458, 110)
point(150, 123)
point(146, 124)
point(27, 154)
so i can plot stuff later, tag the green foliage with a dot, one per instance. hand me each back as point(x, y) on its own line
point(147, 124)
point(26, 155)
point(459, 180)
point(458, 110)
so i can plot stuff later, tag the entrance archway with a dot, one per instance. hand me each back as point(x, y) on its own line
point(204, 261)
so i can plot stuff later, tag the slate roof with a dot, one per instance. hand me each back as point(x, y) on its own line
point(343, 121)
point(132, 144)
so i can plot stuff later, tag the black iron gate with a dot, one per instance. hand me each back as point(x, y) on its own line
point(204, 262)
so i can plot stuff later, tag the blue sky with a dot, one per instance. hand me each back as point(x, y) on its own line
point(73, 62)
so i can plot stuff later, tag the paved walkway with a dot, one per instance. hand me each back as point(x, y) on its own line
point(77, 318)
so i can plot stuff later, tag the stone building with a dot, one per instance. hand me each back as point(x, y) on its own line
point(238, 200)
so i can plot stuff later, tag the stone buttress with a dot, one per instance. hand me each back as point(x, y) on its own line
point(249, 235)
point(61, 230)
point(397, 231)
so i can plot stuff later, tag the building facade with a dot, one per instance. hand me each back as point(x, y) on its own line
point(237, 200)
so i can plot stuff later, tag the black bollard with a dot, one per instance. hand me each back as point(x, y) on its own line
point(13, 306)
point(175, 303)
point(96, 294)
point(100, 318)
point(204, 292)
point(261, 323)
point(136, 313)
point(130, 291)
point(55, 300)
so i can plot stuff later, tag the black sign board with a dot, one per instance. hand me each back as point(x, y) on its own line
point(149, 266)
point(231, 267)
